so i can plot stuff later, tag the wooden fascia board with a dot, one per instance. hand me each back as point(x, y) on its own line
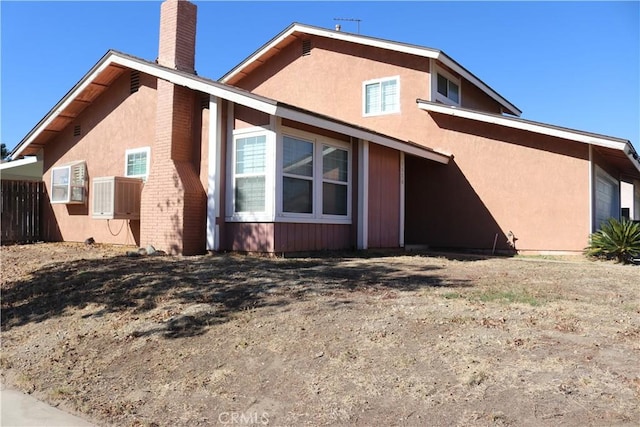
point(521, 124)
point(62, 105)
point(512, 109)
point(192, 82)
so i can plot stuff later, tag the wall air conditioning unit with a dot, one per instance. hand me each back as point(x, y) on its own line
point(116, 197)
point(69, 183)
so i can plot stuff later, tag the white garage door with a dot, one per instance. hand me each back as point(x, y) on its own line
point(607, 197)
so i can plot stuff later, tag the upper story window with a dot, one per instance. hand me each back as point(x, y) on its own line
point(137, 163)
point(381, 96)
point(447, 88)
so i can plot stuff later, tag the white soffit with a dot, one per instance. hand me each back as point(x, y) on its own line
point(17, 163)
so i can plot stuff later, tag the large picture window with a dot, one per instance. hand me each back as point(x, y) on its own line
point(315, 178)
point(297, 172)
point(335, 180)
point(381, 96)
point(288, 176)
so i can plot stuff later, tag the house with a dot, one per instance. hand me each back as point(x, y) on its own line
point(407, 148)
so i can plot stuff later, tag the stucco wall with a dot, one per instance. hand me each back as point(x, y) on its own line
point(115, 122)
point(330, 79)
point(534, 186)
point(500, 181)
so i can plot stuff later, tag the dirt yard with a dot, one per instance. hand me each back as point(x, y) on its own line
point(408, 339)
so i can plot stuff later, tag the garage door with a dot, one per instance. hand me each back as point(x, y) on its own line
point(607, 197)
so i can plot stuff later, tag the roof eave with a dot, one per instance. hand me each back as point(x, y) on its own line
point(61, 105)
point(217, 89)
point(537, 127)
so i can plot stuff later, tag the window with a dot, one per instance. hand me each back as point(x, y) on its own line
point(68, 183)
point(297, 175)
point(137, 163)
point(381, 96)
point(335, 180)
point(447, 88)
point(302, 177)
point(315, 178)
point(249, 173)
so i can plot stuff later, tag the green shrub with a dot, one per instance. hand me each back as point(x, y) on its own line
point(615, 239)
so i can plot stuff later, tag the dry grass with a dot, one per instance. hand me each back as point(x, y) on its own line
point(387, 340)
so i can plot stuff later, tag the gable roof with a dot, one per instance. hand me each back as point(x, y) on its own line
point(617, 150)
point(294, 31)
point(114, 63)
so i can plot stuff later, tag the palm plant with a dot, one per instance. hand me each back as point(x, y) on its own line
point(616, 239)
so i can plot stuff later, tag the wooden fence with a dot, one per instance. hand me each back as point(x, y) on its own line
point(20, 211)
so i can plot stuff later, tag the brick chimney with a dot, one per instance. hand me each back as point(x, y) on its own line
point(173, 208)
point(177, 48)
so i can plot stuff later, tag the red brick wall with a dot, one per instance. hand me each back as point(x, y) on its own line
point(174, 202)
point(173, 209)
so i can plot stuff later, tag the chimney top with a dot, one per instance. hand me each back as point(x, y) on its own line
point(177, 47)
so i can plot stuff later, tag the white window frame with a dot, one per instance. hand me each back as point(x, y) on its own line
point(268, 214)
point(131, 151)
point(437, 96)
point(317, 216)
point(380, 81)
point(80, 168)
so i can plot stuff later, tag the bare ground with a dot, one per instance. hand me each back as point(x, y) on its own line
point(408, 339)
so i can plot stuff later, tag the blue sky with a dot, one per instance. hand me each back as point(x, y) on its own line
point(572, 64)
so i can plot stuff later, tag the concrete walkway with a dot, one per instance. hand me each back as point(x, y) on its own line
point(19, 409)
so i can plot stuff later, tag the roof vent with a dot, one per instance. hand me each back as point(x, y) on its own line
point(306, 47)
point(135, 81)
point(76, 130)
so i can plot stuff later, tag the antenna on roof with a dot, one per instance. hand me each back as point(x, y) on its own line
point(338, 27)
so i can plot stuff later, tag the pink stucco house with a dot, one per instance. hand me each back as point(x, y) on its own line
point(288, 152)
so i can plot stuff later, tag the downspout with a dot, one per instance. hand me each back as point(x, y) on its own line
point(213, 187)
point(363, 194)
point(591, 193)
point(402, 199)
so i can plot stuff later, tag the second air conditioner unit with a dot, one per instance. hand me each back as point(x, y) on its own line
point(116, 197)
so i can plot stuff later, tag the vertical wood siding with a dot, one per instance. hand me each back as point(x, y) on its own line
point(249, 237)
point(290, 237)
point(21, 201)
point(384, 197)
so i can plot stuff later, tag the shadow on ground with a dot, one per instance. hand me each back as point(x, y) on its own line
point(219, 285)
